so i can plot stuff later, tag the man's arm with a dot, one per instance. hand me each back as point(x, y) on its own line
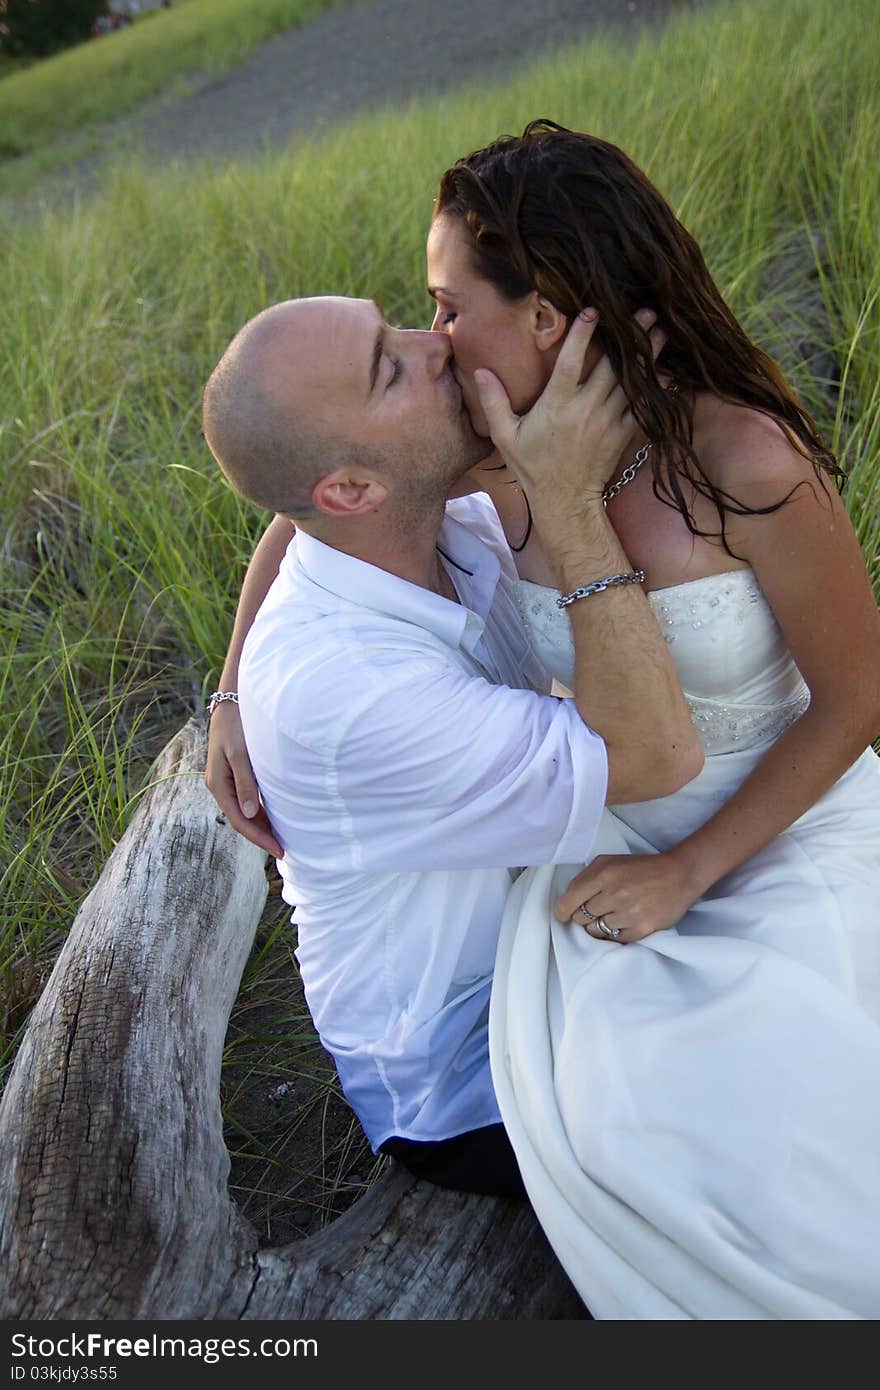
point(626, 686)
point(563, 453)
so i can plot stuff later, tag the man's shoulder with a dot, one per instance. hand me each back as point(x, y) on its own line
point(331, 645)
point(308, 664)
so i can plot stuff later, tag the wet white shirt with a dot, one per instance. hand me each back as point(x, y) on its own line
point(410, 760)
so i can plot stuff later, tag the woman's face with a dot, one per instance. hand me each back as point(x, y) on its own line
point(486, 330)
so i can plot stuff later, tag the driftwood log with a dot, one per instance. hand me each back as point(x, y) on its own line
point(113, 1170)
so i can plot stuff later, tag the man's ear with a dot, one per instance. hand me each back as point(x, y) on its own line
point(548, 324)
point(348, 492)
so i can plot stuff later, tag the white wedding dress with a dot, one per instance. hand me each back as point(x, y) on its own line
point(697, 1116)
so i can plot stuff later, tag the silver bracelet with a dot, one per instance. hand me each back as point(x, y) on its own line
point(636, 577)
point(217, 699)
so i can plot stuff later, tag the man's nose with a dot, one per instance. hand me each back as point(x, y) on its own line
point(433, 349)
point(438, 351)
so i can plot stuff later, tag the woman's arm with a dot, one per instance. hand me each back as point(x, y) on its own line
point(229, 775)
point(809, 565)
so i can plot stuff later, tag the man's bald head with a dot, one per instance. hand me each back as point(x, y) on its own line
point(254, 423)
point(319, 406)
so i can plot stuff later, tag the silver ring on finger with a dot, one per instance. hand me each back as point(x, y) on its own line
point(612, 932)
point(590, 916)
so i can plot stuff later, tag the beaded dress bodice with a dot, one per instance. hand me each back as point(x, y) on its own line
point(741, 683)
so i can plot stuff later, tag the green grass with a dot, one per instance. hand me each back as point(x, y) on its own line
point(103, 78)
point(123, 550)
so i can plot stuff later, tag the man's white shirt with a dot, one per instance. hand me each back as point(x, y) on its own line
point(410, 760)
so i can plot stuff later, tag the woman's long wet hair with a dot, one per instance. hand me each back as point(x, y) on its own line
point(572, 217)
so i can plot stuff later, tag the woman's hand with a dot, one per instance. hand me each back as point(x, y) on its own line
point(635, 893)
point(230, 779)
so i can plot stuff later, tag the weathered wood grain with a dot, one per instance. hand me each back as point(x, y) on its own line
point(113, 1170)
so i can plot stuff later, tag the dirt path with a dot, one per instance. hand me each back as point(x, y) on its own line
point(349, 60)
point(364, 54)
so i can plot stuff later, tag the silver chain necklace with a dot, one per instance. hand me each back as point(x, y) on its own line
point(626, 477)
point(632, 468)
point(628, 474)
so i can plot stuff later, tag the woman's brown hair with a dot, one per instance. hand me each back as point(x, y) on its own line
point(572, 217)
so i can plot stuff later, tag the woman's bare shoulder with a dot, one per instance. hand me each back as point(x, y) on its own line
point(742, 449)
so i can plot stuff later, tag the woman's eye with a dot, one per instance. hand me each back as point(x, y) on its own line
point(395, 371)
point(449, 318)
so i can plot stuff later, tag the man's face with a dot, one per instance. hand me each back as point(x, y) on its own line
point(353, 377)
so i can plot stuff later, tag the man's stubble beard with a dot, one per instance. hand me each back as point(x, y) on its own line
point(428, 486)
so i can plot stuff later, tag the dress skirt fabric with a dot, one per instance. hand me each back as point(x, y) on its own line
point(697, 1116)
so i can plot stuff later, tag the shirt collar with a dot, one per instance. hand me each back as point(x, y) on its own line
point(475, 573)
